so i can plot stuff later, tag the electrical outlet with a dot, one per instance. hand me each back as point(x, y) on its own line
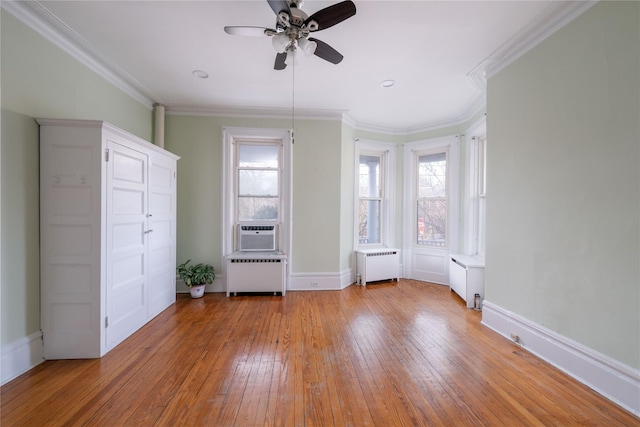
point(515, 338)
point(314, 284)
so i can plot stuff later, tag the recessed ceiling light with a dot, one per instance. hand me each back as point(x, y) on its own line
point(387, 83)
point(200, 74)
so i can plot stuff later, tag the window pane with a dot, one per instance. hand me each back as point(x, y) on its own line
point(258, 182)
point(432, 223)
point(369, 221)
point(257, 208)
point(258, 156)
point(432, 174)
point(370, 176)
point(481, 175)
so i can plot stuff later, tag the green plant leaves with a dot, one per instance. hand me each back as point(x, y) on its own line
point(194, 275)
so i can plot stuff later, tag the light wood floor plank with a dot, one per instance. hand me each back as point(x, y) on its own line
point(388, 354)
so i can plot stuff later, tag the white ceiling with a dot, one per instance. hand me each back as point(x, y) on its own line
point(436, 51)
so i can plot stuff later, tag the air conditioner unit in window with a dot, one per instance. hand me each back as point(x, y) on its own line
point(257, 237)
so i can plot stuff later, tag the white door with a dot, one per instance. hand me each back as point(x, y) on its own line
point(431, 208)
point(161, 234)
point(126, 241)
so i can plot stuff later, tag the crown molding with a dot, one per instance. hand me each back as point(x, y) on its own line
point(556, 16)
point(473, 107)
point(36, 16)
point(254, 112)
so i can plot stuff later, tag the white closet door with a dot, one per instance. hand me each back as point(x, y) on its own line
point(126, 242)
point(70, 182)
point(162, 230)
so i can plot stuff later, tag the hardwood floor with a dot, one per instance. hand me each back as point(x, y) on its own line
point(392, 354)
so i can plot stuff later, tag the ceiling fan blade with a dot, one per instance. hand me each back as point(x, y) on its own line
point(247, 31)
point(280, 58)
point(326, 52)
point(332, 15)
point(279, 6)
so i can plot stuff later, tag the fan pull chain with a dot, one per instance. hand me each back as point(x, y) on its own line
point(293, 97)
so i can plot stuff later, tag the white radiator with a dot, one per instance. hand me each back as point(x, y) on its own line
point(377, 264)
point(256, 272)
point(466, 277)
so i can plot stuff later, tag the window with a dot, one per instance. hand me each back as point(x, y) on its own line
point(256, 184)
point(370, 189)
point(431, 207)
point(482, 189)
point(258, 181)
point(374, 180)
point(432, 200)
point(474, 197)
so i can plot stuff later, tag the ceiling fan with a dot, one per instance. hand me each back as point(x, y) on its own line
point(293, 27)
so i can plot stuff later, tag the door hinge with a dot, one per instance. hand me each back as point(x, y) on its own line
point(106, 321)
point(106, 155)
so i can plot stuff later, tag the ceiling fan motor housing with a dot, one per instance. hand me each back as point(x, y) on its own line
point(293, 27)
point(296, 17)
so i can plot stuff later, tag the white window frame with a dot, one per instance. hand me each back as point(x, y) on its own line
point(232, 136)
point(236, 179)
point(481, 223)
point(447, 197)
point(387, 153)
point(474, 197)
point(412, 252)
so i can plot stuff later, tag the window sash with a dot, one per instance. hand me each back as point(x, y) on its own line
point(371, 191)
point(367, 188)
point(370, 226)
point(258, 182)
point(432, 190)
point(481, 226)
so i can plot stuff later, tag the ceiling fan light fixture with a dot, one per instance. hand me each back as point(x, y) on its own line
point(308, 47)
point(280, 42)
point(292, 58)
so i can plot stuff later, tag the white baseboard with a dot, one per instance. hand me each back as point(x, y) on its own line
point(615, 381)
point(297, 282)
point(320, 281)
point(20, 356)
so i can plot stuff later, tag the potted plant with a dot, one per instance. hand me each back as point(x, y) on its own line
point(196, 276)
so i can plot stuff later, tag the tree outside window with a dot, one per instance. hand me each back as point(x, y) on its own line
point(431, 216)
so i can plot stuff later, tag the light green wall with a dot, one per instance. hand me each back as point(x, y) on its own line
point(40, 80)
point(563, 200)
point(317, 179)
point(316, 188)
point(20, 227)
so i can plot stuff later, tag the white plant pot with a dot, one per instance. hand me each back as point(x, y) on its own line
point(197, 291)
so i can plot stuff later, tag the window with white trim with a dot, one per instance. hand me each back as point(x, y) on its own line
point(375, 162)
point(370, 201)
point(258, 181)
point(431, 199)
point(256, 184)
point(482, 189)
